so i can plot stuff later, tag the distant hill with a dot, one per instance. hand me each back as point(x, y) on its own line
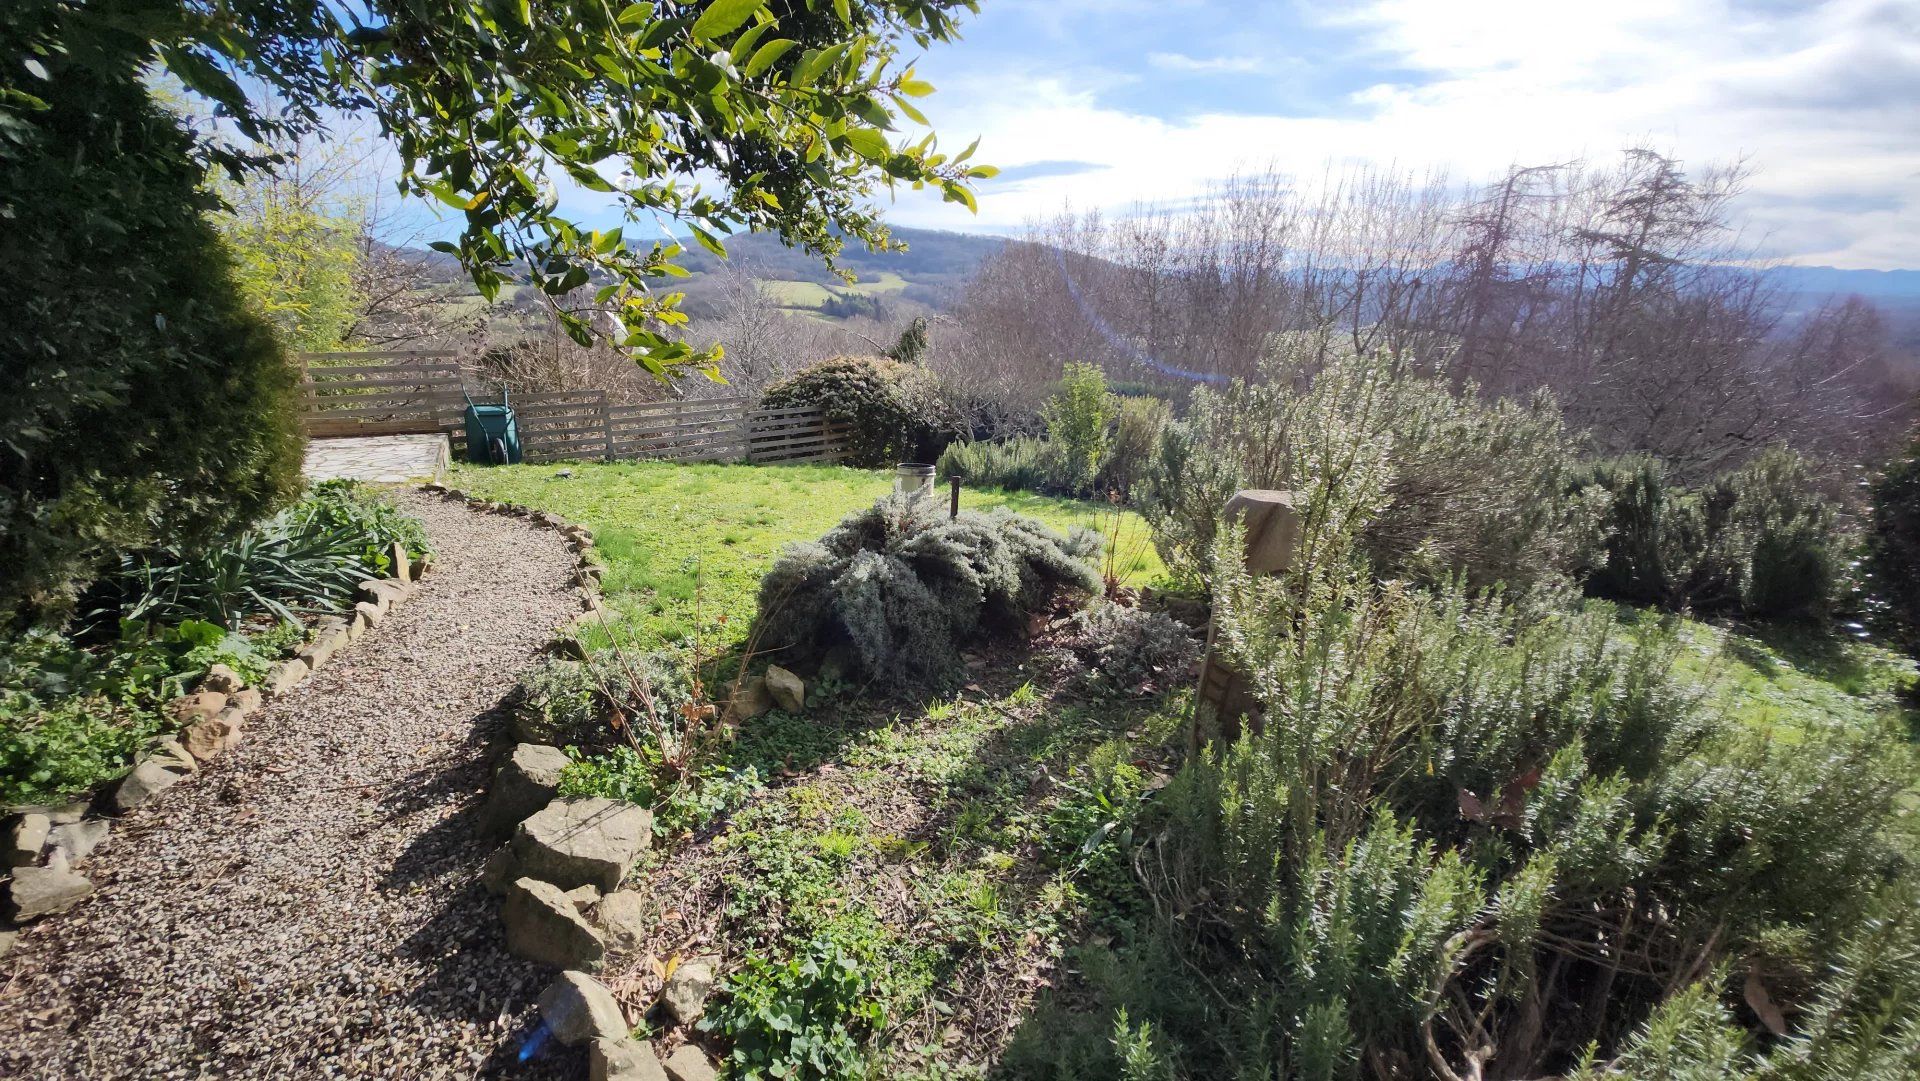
point(930, 274)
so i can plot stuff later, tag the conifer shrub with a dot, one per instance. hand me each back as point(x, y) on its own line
point(903, 586)
point(895, 409)
point(1893, 541)
point(1759, 541)
point(143, 403)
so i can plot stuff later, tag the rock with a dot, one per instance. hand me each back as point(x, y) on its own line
point(7, 939)
point(751, 700)
point(402, 564)
point(421, 566)
point(286, 676)
point(43, 891)
point(498, 872)
point(25, 838)
point(578, 1008)
point(550, 520)
point(583, 899)
point(623, 1060)
point(167, 751)
point(329, 636)
point(625, 917)
point(685, 995)
point(147, 780)
point(689, 1063)
point(368, 612)
point(208, 739)
point(584, 841)
point(543, 925)
point(247, 701)
point(190, 708)
point(79, 839)
point(384, 592)
point(786, 688)
point(221, 679)
point(522, 786)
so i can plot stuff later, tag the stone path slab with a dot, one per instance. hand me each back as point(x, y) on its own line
point(378, 459)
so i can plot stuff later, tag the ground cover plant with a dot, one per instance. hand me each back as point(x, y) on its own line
point(76, 703)
point(894, 590)
point(685, 546)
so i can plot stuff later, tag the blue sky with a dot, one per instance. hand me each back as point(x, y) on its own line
point(1108, 103)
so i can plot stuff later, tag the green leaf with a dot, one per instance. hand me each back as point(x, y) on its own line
point(764, 59)
point(817, 63)
point(868, 143)
point(908, 110)
point(915, 88)
point(723, 17)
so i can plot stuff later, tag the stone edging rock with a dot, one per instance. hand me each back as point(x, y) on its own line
point(210, 721)
point(558, 876)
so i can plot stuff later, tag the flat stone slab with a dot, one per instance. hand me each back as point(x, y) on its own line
point(584, 841)
point(378, 459)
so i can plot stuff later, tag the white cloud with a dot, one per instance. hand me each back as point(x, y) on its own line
point(1819, 100)
point(1205, 65)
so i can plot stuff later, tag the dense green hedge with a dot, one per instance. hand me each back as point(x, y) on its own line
point(895, 409)
point(140, 402)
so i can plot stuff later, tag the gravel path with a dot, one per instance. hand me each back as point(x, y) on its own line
point(309, 905)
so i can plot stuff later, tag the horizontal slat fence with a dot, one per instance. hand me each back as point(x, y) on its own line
point(388, 393)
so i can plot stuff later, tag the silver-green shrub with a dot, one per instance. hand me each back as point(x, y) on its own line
point(903, 586)
point(1439, 480)
point(1467, 839)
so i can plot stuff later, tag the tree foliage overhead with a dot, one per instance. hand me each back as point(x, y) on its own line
point(789, 104)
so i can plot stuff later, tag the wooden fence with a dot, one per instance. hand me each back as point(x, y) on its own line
point(387, 393)
point(346, 394)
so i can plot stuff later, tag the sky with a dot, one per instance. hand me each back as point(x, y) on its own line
point(1111, 103)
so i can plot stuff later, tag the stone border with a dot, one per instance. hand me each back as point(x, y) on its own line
point(559, 873)
point(209, 722)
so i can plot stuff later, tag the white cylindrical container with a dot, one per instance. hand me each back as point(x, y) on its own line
point(913, 479)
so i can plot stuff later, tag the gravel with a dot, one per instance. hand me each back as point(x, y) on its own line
point(309, 906)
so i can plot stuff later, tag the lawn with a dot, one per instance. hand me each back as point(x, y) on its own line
point(687, 544)
point(1785, 679)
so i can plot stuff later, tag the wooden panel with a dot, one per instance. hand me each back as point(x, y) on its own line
point(377, 354)
point(324, 429)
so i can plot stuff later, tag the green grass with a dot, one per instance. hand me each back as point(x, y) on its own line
point(1785, 679)
point(685, 540)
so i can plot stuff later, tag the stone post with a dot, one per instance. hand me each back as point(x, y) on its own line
point(1272, 524)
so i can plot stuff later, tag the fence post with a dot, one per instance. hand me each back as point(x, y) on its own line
point(606, 427)
point(1224, 697)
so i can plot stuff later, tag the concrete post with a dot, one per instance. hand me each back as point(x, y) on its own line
point(1272, 523)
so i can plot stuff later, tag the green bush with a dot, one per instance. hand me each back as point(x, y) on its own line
point(895, 409)
point(902, 586)
point(1022, 464)
point(1077, 416)
point(1439, 480)
point(1467, 833)
point(1893, 541)
point(1137, 424)
point(1760, 541)
point(143, 403)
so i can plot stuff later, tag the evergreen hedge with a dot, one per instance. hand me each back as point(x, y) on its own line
point(141, 403)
